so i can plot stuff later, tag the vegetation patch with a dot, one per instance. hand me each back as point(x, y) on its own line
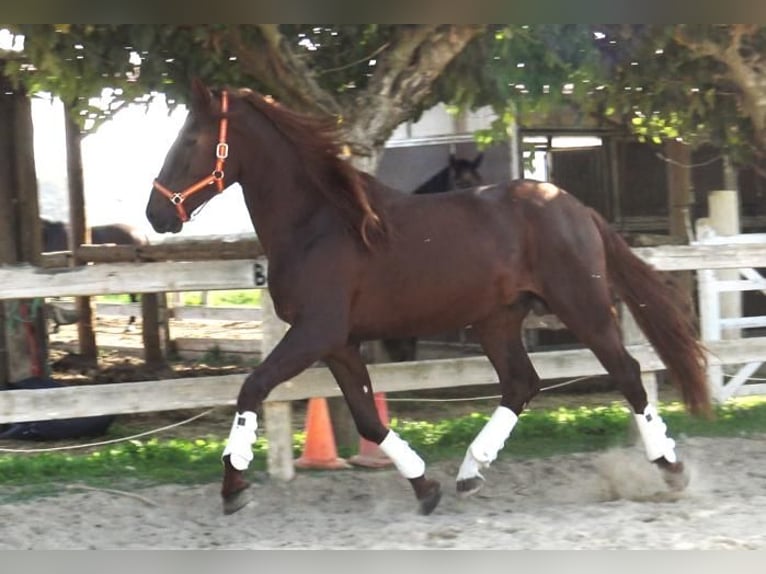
point(539, 433)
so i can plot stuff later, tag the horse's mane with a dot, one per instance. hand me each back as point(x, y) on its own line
point(317, 142)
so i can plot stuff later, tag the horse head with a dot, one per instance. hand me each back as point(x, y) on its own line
point(198, 164)
point(464, 173)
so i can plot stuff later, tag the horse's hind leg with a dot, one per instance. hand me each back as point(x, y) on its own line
point(588, 313)
point(351, 374)
point(501, 339)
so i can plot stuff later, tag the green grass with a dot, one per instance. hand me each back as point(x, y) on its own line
point(539, 433)
point(232, 298)
point(229, 298)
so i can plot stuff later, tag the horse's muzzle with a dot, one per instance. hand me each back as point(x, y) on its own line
point(164, 222)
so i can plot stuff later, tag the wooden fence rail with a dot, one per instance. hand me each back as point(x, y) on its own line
point(200, 392)
point(115, 278)
point(167, 276)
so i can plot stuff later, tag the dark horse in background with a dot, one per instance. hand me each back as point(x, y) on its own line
point(460, 173)
point(56, 238)
point(352, 260)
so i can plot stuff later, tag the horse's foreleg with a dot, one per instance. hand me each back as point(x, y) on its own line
point(301, 347)
point(352, 376)
point(500, 337)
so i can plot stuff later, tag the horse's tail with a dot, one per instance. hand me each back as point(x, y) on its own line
point(664, 315)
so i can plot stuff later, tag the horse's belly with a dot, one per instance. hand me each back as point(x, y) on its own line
point(428, 308)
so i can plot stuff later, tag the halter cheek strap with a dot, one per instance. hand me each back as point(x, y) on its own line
point(216, 177)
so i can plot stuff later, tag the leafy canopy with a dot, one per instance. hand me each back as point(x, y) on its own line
point(658, 81)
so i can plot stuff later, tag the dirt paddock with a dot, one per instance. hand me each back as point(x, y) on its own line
point(583, 501)
point(613, 499)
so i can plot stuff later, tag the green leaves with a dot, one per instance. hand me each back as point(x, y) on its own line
point(658, 81)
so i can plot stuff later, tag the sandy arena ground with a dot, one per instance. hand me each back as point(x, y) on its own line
point(613, 499)
point(585, 501)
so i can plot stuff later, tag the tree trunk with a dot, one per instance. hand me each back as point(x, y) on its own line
point(78, 231)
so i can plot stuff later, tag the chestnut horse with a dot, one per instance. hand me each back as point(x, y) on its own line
point(459, 173)
point(352, 260)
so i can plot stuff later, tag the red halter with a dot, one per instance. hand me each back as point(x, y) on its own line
point(216, 177)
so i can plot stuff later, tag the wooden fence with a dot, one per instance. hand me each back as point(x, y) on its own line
point(722, 319)
point(143, 277)
point(197, 392)
point(25, 281)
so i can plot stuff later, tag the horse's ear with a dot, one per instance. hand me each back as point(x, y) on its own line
point(201, 97)
point(477, 161)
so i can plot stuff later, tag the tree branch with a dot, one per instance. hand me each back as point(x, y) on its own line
point(271, 59)
point(368, 57)
point(402, 79)
point(406, 69)
point(742, 71)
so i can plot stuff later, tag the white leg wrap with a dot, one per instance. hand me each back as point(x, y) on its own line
point(488, 442)
point(653, 433)
point(407, 461)
point(241, 438)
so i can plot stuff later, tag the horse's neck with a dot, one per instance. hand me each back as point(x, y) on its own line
point(278, 214)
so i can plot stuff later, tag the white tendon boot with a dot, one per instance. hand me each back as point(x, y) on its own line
point(484, 448)
point(407, 461)
point(653, 432)
point(241, 438)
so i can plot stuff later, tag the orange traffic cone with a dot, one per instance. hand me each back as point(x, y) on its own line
point(370, 454)
point(319, 452)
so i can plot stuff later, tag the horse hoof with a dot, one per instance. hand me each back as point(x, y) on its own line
point(676, 482)
point(236, 501)
point(469, 486)
point(430, 499)
point(674, 474)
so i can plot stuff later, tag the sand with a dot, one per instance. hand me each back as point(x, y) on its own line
point(612, 499)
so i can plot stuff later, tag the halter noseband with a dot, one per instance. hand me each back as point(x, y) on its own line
point(216, 177)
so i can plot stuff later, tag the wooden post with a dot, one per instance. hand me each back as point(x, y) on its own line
point(277, 414)
point(680, 197)
point(514, 145)
point(680, 200)
point(8, 251)
point(709, 310)
point(22, 340)
point(613, 180)
point(154, 329)
point(723, 211)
